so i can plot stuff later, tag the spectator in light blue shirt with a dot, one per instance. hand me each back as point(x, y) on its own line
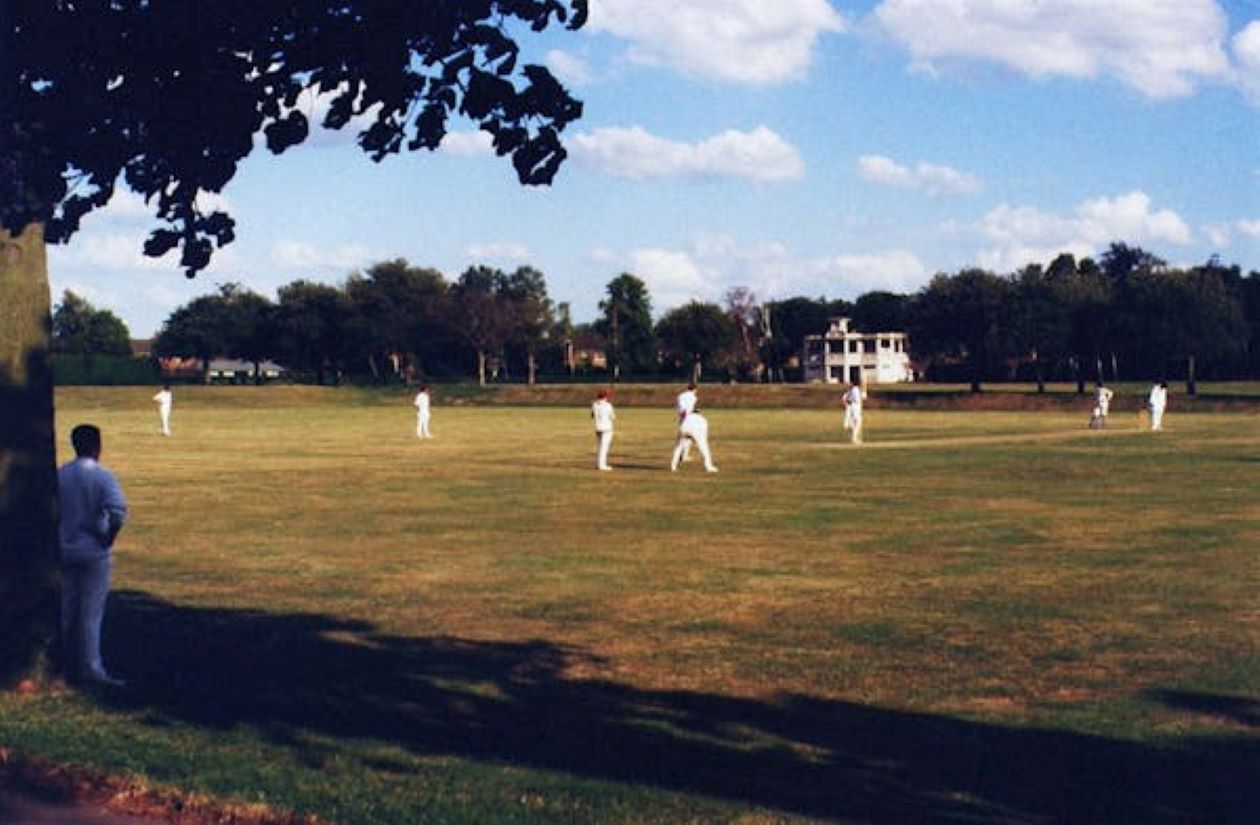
point(92, 511)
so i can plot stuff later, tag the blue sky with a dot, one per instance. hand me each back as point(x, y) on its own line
point(796, 147)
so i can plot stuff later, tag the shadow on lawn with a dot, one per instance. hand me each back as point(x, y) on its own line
point(285, 673)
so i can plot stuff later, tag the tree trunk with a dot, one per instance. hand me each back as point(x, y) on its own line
point(481, 368)
point(1041, 378)
point(1191, 387)
point(28, 481)
point(532, 364)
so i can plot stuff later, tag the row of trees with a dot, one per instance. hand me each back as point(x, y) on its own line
point(1127, 315)
point(390, 321)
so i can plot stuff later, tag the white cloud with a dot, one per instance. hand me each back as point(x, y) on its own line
point(713, 264)
point(468, 144)
point(929, 177)
point(893, 270)
point(601, 254)
point(1246, 48)
point(1025, 234)
point(673, 278)
point(290, 255)
point(570, 68)
point(757, 42)
point(759, 155)
point(1163, 48)
point(1217, 234)
point(1249, 228)
point(125, 207)
point(498, 252)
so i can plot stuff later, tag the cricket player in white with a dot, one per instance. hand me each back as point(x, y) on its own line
point(694, 428)
point(604, 414)
point(853, 412)
point(1102, 406)
point(164, 399)
point(1157, 402)
point(422, 413)
point(684, 405)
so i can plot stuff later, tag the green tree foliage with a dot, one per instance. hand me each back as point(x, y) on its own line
point(1249, 297)
point(696, 337)
point(199, 329)
point(234, 322)
point(310, 323)
point(626, 323)
point(881, 311)
point(173, 94)
point(1188, 316)
point(397, 313)
point(532, 315)
point(78, 328)
point(250, 332)
point(963, 318)
point(482, 315)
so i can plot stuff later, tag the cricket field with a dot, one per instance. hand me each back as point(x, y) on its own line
point(976, 616)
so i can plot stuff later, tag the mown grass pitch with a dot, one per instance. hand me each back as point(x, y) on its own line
point(976, 616)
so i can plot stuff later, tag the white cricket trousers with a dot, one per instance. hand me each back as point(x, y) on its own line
point(1157, 418)
point(853, 423)
point(165, 413)
point(84, 589)
point(694, 429)
point(603, 443)
point(422, 426)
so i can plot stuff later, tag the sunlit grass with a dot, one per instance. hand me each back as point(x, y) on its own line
point(1012, 569)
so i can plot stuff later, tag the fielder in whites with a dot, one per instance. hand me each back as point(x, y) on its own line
point(422, 412)
point(604, 415)
point(164, 399)
point(1157, 402)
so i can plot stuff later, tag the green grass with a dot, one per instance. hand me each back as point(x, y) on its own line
point(983, 616)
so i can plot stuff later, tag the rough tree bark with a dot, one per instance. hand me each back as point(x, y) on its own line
point(28, 499)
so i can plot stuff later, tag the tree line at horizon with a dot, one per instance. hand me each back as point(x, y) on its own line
point(1125, 316)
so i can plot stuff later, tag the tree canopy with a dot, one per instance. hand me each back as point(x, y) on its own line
point(168, 97)
point(78, 328)
point(626, 323)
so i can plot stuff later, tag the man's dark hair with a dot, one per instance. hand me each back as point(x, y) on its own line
point(86, 439)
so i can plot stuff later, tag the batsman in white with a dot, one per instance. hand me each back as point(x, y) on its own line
point(853, 398)
point(1102, 406)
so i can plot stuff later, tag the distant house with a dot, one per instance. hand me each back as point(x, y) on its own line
point(235, 371)
point(842, 355)
point(586, 351)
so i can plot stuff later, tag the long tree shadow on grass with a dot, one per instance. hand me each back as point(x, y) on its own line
point(285, 673)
